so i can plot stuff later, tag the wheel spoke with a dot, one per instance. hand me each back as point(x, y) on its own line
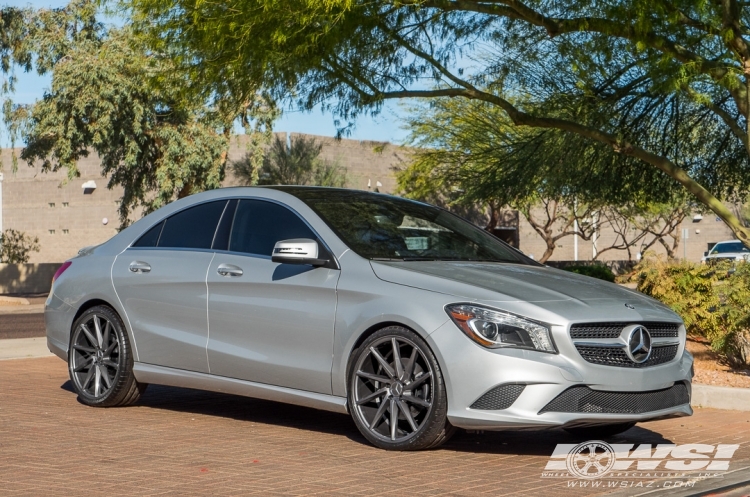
point(82, 348)
point(418, 380)
point(379, 413)
point(85, 364)
point(111, 348)
point(106, 378)
point(394, 418)
point(409, 369)
point(415, 400)
point(110, 363)
point(373, 395)
point(407, 414)
point(397, 359)
point(97, 380)
point(106, 337)
point(373, 377)
point(388, 369)
point(89, 376)
point(88, 334)
point(98, 329)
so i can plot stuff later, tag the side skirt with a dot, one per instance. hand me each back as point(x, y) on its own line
point(159, 375)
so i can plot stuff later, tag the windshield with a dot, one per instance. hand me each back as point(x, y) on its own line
point(725, 248)
point(391, 228)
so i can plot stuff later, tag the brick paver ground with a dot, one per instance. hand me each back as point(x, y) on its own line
point(185, 442)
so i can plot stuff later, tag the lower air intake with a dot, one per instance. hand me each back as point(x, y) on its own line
point(584, 399)
point(500, 397)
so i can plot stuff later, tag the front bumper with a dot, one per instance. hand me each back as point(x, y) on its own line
point(470, 371)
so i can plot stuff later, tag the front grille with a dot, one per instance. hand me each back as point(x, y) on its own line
point(584, 399)
point(500, 397)
point(611, 356)
point(582, 331)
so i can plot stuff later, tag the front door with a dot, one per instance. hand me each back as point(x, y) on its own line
point(268, 322)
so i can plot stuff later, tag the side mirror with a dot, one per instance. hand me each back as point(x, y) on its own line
point(297, 251)
point(705, 254)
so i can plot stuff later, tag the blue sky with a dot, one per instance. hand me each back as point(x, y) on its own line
point(385, 127)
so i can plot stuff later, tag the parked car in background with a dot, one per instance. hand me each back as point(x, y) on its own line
point(400, 313)
point(730, 250)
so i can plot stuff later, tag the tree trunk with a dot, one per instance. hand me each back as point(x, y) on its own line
point(547, 253)
point(494, 218)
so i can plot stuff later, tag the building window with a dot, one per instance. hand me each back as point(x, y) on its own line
point(65, 232)
point(51, 204)
point(51, 232)
point(66, 204)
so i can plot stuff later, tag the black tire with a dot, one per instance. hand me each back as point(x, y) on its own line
point(599, 431)
point(100, 360)
point(407, 389)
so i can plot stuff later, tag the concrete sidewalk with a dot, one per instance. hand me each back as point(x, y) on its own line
point(22, 309)
point(24, 348)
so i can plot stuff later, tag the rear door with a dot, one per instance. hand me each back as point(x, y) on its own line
point(268, 322)
point(161, 281)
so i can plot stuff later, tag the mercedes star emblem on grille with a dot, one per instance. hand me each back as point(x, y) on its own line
point(639, 344)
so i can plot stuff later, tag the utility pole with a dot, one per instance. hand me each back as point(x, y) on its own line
point(575, 230)
point(594, 219)
point(685, 232)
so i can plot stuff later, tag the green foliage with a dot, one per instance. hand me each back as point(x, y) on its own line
point(662, 84)
point(16, 246)
point(296, 164)
point(158, 136)
point(151, 143)
point(472, 152)
point(599, 271)
point(714, 301)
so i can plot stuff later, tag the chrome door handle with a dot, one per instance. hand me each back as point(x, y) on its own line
point(229, 270)
point(139, 267)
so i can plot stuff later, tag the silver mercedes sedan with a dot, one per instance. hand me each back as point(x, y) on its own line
point(407, 317)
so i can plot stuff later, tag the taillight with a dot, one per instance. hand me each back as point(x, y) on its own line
point(61, 270)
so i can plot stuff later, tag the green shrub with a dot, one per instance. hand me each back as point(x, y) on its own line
point(714, 301)
point(596, 271)
point(16, 246)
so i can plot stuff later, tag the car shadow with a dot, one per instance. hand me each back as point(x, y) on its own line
point(508, 442)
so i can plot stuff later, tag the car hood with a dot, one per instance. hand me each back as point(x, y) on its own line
point(527, 289)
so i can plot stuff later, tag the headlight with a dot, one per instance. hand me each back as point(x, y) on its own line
point(496, 329)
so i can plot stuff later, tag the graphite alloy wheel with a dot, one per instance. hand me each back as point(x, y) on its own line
point(599, 431)
point(100, 361)
point(396, 392)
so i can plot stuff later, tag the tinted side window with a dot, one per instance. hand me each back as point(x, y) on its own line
point(258, 225)
point(151, 237)
point(192, 228)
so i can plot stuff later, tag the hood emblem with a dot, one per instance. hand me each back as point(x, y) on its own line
point(639, 344)
point(630, 306)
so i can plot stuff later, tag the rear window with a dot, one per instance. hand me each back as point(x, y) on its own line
point(193, 227)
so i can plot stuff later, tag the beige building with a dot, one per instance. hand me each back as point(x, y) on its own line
point(69, 214)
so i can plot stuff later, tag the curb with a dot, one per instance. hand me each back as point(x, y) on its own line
point(731, 398)
point(24, 348)
point(22, 309)
point(5, 300)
